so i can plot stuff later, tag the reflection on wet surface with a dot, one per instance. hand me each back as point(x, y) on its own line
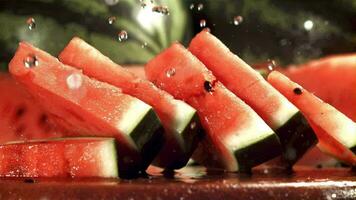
point(196, 183)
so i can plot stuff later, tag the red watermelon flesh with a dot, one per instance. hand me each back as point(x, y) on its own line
point(336, 132)
point(138, 70)
point(176, 116)
point(20, 115)
point(332, 79)
point(232, 126)
point(71, 157)
point(87, 107)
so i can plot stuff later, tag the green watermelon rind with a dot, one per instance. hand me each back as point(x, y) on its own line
point(257, 152)
point(148, 137)
point(296, 137)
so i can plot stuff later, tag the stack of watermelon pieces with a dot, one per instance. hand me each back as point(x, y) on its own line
point(96, 118)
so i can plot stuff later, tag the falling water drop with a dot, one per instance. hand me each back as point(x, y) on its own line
point(271, 65)
point(161, 9)
point(191, 7)
point(200, 7)
point(31, 23)
point(238, 20)
point(122, 36)
point(111, 19)
point(202, 23)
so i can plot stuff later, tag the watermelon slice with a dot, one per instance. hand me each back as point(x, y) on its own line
point(177, 117)
point(138, 70)
point(66, 157)
point(88, 107)
point(283, 117)
point(237, 138)
point(332, 79)
point(336, 132)
point(20, 116)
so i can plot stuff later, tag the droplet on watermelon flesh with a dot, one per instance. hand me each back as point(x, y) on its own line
point(30, 61)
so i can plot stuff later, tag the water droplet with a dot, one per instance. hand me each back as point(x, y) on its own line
point(144, 45)
point(200, 7)
point(30, 61)
point(122, 36)
point(191, 7)
point(298, 91)
point(170, 72)
point(333, 196)
point(161, 9)
point(111, 19)
point(208, 86)
point(308, 25)
point(238, 20)
point(193, 125)
point(271, 65)
point(74, 81)
point(111, 2)
point(202, 23)
point(31, 23)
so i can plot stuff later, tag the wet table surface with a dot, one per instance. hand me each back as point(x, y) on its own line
point(193, 183)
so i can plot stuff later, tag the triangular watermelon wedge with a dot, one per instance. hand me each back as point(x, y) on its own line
point(336, 132)
point(180, 120)
point(237, 138)
point(88, 107)
point(296, 136)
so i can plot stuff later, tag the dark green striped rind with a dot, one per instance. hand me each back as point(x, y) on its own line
point(148, 138)
point(190, 137)
point(296, 137)
point(258, 153)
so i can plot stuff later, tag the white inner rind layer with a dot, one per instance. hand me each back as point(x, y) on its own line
point(285, 111)
point(132, 116)
point(108, 159)
point(251, 132)
point(183, 114)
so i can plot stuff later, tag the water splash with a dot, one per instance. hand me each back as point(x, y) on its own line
point(161, 9)
point(111, 19)
point(202, 23)
point(200, 7)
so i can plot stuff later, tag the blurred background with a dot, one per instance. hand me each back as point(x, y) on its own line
point(133, 31)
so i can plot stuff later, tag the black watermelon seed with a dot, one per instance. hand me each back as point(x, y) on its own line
point(208, 86)
point(298, 91)
point(29, 180)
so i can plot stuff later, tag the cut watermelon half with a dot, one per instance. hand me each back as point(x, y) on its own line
point(336, 132)
point(88, 107)
point(332, 79)
point(283, 117)
point(66, 157)
point(21, 117)
point(237, 138)
point(180, 120)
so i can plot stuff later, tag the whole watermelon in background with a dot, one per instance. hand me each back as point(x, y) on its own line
point(333, 79)
point(20, 116)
